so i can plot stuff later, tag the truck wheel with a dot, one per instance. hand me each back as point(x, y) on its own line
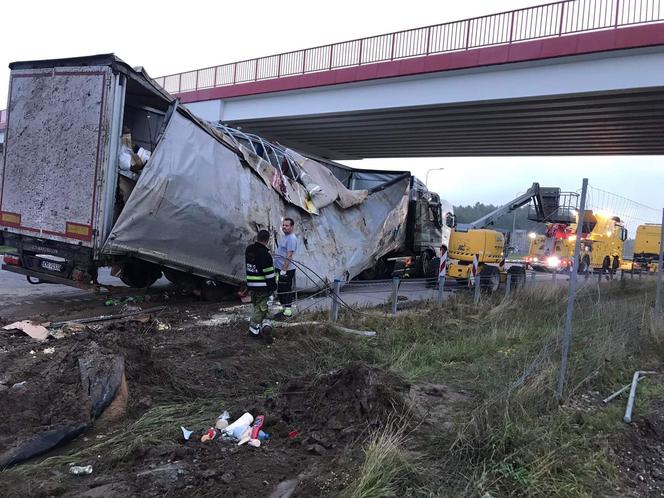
point(432, 272)
point(426, 263)
point(518, 276)
point(489, 279)
point(139, 274)
point(182, 279)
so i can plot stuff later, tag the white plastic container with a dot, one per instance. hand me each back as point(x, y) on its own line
point(245, 420)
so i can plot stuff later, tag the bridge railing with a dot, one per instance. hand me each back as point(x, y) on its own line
point(542, 21)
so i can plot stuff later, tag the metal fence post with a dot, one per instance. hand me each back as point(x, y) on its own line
point(554, 275)
point(395, 294)
point(334, 308)
point(478, 280)
point(572, 293)
point(660, 271)
point(441, 288)
point(508, 284)
point(532, 276)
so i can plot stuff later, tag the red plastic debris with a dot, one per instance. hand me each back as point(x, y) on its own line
point(292, 434)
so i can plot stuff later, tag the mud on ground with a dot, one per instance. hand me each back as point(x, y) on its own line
point(308, 381)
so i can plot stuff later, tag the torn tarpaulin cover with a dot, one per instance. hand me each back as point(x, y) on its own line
point(199, 203)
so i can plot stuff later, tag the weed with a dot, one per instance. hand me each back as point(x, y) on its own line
point(385, 463)
point(517, 441)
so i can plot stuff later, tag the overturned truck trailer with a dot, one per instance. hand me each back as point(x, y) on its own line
point(200, 199)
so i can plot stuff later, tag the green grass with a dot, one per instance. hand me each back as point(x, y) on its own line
point(6, 249)
point(515, 440)
point(385, 464)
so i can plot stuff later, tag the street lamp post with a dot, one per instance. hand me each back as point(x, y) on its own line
point(426, 178)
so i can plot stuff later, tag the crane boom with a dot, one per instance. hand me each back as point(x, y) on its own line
point(533, 193)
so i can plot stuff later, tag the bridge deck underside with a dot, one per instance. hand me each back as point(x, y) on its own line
point(616, 123)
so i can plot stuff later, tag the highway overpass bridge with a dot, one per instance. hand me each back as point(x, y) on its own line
point(576, 77)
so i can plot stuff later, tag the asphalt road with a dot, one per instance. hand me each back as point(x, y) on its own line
point(19, 298)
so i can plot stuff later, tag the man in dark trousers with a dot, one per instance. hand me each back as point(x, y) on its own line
point(283, 260)
point(261, 283)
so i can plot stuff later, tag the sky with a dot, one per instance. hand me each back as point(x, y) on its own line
point(168, 37)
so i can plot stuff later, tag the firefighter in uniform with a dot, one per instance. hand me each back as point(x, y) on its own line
point(261, 283)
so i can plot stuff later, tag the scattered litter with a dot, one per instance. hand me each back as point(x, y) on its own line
point(244, 430)
point(126, 300)
point(68, 329)
point(80, 470)
point(241, 423)
point(209, 435)
point(252, 434)
point(163, 326)
point(256, 426)
point(38, 332)
point(222, 421)
point(33, 352)
point(49, 351)
point(292, 434)
point(20, 385)
point(186, 433)
point(216, 320)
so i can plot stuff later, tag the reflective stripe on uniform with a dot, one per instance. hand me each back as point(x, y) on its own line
point(270, 269)
point(255, 277)
point(256, 284)
point(271, 275)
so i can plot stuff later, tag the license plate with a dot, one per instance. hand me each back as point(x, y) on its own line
point(50, 265)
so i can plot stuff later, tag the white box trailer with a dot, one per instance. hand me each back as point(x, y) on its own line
point(59, 178)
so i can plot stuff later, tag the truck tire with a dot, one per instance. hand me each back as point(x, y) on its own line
point(182, 279)
point(432, 272)
point(426, 263)
point(139, 274)
point(489, 279)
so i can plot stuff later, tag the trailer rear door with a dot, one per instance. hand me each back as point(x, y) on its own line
point(52, 179)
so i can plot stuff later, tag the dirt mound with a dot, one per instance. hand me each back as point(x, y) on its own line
point(639, 453)
point(187, 375)
point(345, 401)
point(50, 392)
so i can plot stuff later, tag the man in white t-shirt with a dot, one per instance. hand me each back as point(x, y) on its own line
point(283, 262)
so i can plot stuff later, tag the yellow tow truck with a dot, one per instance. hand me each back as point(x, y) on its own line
point(474, 246)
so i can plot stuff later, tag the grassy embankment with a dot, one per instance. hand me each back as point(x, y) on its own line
point(497, 427)
point(513, 438)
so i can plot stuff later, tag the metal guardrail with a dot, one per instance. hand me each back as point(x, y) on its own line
point(550, 20)
point(543, 21)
